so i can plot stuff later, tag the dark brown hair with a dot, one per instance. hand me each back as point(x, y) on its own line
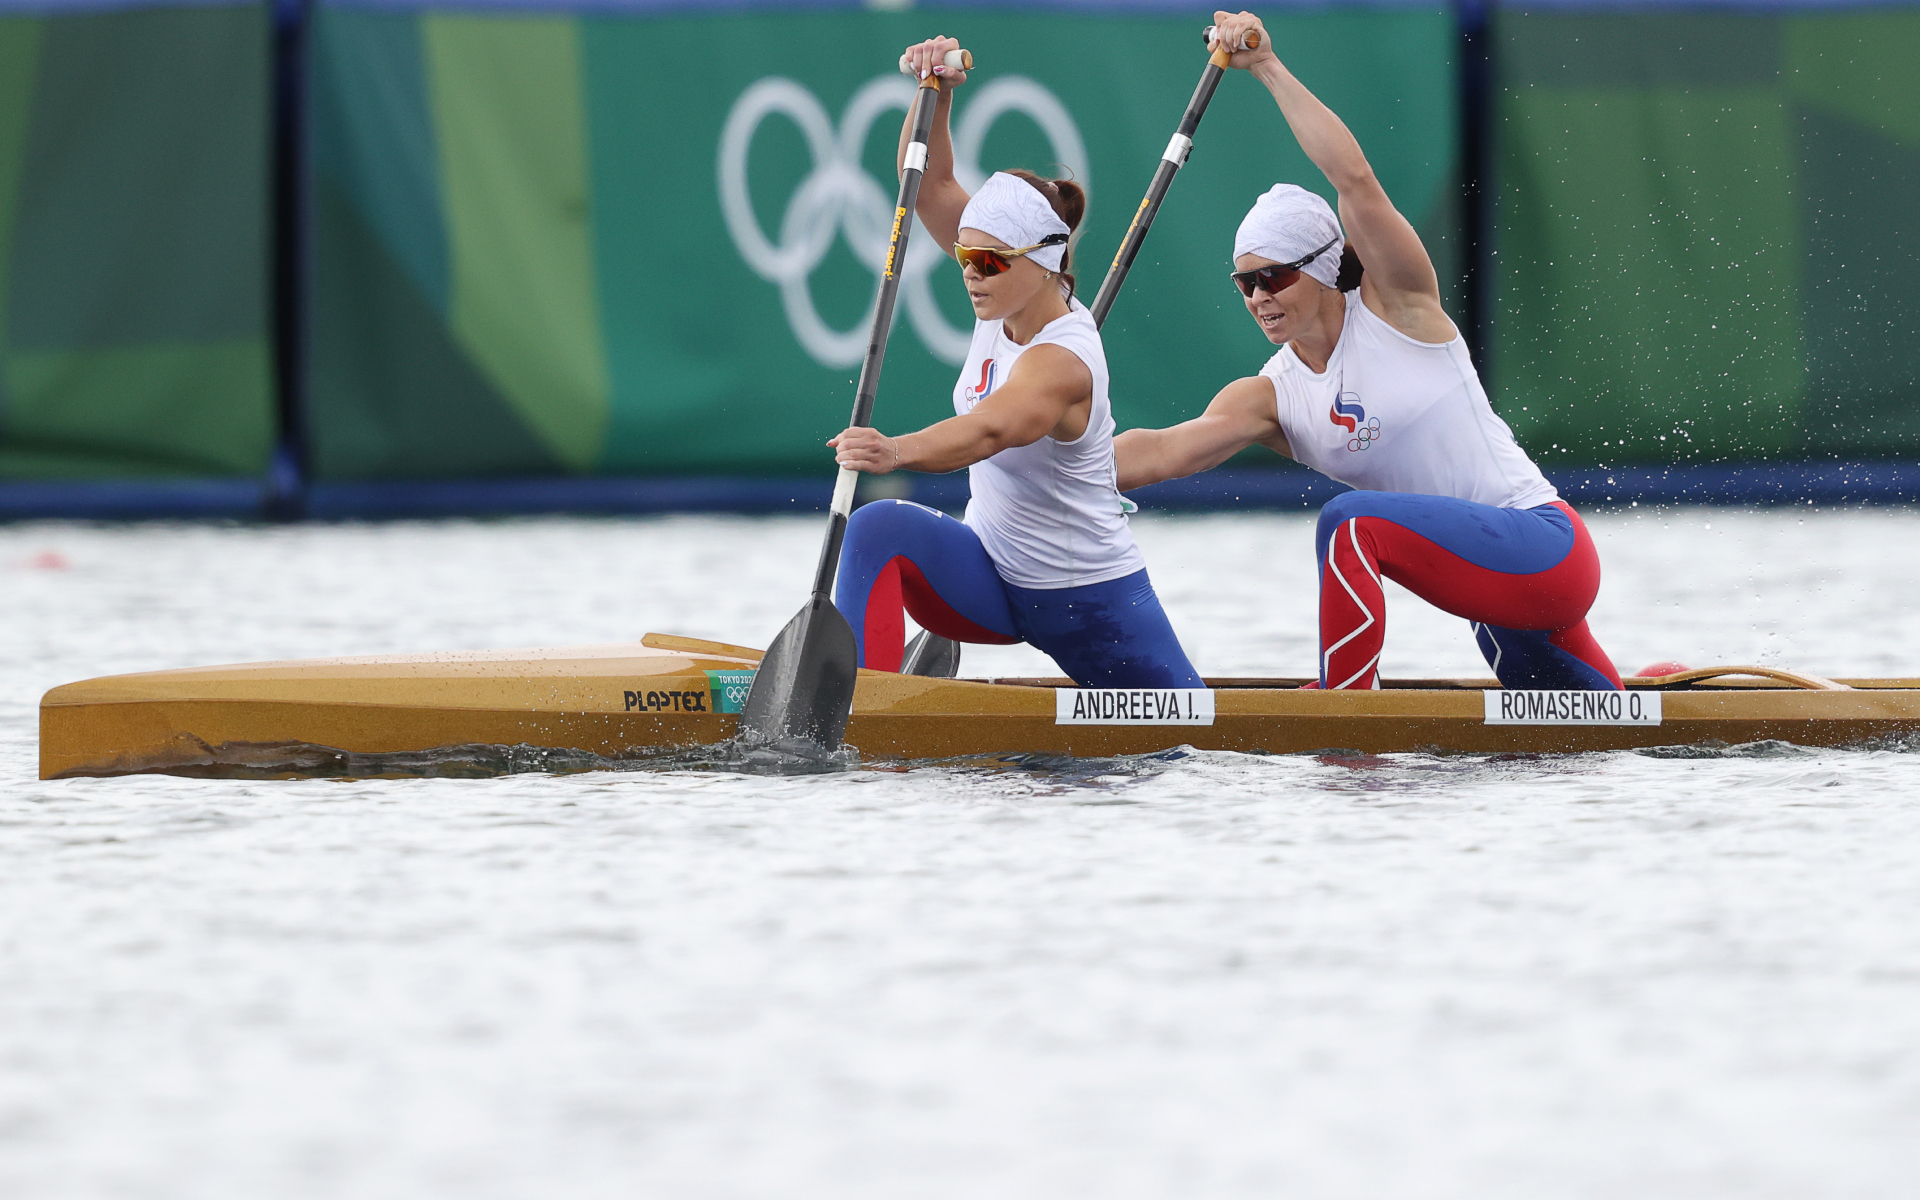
point(1350, 269)
point(1069, 202)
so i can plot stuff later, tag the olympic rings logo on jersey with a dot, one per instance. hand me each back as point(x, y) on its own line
point(1366, 435)
point(839, 198)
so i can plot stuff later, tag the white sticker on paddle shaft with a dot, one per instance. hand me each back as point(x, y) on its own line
point(843, 485)
point(916, 159)
point(1178, 149)
point(1527, 706)
point(1133, 706)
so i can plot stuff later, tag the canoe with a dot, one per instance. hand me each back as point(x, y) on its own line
point(672, 699)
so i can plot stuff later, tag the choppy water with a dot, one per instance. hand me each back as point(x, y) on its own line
point(1201, 975)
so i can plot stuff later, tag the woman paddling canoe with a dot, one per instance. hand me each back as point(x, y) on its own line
point(1044, 555)
point(1373, 386)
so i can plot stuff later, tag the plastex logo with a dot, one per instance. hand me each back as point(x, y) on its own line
point(838, 198)
point(1347, 413)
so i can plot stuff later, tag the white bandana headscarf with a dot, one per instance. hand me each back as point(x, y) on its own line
point(1286, 224)
point(1014, 211)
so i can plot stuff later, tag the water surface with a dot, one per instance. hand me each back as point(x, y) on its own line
point(1185, 974)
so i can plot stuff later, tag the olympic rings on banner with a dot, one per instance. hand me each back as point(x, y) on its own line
point(839, 198)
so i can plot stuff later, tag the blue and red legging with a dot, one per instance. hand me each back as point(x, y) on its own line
point(904, 556)
point(1525, 578)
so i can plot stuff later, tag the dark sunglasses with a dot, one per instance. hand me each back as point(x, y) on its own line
point(990, 262)
point(1272, 279)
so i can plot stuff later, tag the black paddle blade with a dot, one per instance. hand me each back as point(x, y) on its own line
point(931, 656)
point(803, 692)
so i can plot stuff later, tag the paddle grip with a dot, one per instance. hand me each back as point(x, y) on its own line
point(1251, 42)
point(956, 60)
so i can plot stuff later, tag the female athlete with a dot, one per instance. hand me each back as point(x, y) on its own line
point(1372, 385)
point(1044, 555)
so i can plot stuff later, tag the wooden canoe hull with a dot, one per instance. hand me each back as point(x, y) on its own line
point(616, 701)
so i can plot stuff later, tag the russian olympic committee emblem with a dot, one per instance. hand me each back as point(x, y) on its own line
point(1349, 415)
point(840, 199)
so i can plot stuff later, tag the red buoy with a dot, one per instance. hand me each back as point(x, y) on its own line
point(1663, 668)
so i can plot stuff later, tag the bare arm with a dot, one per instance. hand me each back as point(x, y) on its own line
point(1400, 284)
point(1240, 416)
point(1049, 393)
point(942, 199)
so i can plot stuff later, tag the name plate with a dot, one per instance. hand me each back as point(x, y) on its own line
point(1133, 706)
point(1526, 706)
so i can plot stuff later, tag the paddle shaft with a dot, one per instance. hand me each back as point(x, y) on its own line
point(913, 168)
point(1171, 161)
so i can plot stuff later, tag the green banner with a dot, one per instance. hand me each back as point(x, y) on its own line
point(1707, 235)
point(133, 244)
point(594, 244)
point(589, 244)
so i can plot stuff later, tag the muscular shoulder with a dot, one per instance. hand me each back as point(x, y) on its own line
point(1251, 395)
point(1250, 407)
point(1051, 366)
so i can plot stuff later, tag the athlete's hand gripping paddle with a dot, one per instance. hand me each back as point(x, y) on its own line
point(929, 653)
point(956, 60)
point(803, 693)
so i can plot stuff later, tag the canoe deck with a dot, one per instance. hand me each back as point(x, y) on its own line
point(574, 707)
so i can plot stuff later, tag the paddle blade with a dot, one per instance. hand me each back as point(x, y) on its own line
point(932, 656)
point(803, 691)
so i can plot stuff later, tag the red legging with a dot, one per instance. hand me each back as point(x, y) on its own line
point(1525, 578)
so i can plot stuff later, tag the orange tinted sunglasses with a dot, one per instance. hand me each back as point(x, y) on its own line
point(990, 261)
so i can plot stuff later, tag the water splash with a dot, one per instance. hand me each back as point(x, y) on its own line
point(473, 760)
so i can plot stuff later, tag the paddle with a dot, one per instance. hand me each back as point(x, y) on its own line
point(802, 694)
point(1171, 160)
point(929, 653)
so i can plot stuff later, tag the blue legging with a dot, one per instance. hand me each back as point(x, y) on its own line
point(904, 557)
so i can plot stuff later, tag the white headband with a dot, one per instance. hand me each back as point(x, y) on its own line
point(1014, 211)
point(1286, 224)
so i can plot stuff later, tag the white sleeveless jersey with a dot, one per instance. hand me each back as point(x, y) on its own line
point(1048, 513)
point(1391, 414)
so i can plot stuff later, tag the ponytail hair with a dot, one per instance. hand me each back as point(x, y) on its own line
point(1069, 202)
point(1350, 269)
